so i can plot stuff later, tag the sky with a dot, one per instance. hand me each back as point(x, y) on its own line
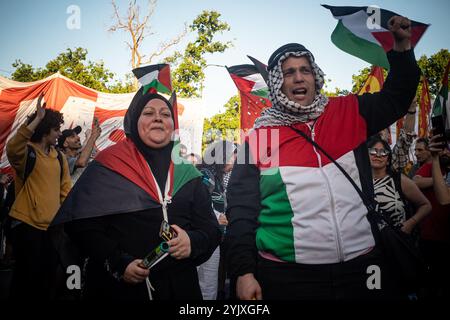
point(36, 32)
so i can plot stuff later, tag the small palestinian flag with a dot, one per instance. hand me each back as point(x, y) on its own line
point(261, 67)
point(441, 106)
point(155, 78)
point(253, 91)
point(440, 103)
point(363, 32)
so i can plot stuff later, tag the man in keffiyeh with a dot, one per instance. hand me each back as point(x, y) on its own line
point(298, 228)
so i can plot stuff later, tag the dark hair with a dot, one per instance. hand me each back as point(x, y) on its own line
point(377, 139)
point(52, 120)
point(424, 141)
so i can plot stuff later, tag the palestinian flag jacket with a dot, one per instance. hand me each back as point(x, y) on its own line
point(291, 201)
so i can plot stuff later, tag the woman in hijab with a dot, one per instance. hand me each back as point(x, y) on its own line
point(117, 208)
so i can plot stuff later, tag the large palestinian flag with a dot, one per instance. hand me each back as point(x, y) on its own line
point(155, 78)
point(253, 91)
point(363, 32)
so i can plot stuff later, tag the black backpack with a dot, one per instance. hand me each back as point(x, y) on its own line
point(29, 165)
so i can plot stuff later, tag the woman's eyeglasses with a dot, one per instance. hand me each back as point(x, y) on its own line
point(378, 152)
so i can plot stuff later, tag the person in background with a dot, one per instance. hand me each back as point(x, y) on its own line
point(400, 151)
point(38, 198)
point(440, 155)
point(217, 162)
point(423, 156)
point(78, 156)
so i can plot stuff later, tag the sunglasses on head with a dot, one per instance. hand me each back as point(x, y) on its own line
point(378, 152)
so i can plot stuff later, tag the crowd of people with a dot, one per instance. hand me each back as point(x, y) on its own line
point(282, 216)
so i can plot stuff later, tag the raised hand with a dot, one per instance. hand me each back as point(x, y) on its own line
point(96, 130)
point(400, 27)
point(40, 108)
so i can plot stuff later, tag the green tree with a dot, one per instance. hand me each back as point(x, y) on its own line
point(360, 79)
point(73, 64)
point(223, 125)
point(337, 92)
point(188, 68)
point(433, 68)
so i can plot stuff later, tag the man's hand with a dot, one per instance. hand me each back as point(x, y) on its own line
point(400, 27)
point(247, 288)
point(96, 130)
point(180, 247)
point(134, 273)
point(436, 145)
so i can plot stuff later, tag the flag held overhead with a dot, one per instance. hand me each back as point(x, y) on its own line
point(364, 32)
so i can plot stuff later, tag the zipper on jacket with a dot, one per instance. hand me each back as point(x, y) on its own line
point(333, 209)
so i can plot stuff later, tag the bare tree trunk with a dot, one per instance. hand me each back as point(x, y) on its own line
point(139, 30)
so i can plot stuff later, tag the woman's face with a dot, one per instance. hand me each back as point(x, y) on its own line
point(378, 156)
point(155, 124)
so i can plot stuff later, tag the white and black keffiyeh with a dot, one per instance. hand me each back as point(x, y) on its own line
point(285, 112)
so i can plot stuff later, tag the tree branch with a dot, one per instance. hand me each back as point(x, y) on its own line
point(164, 46)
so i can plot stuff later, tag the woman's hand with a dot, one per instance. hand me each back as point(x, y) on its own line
point(408, 226)
point(134, 273)
point(180, 247)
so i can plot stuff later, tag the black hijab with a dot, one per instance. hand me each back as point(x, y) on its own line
point(157, 159)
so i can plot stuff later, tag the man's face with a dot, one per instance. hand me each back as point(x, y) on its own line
point(299, 81)
point(52, 137)
point(72, 142)
point(421, 153)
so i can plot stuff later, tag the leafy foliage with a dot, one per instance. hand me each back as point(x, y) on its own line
point(73, 64)
point(188, 68)
point(223, 125)
point(433, 68)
